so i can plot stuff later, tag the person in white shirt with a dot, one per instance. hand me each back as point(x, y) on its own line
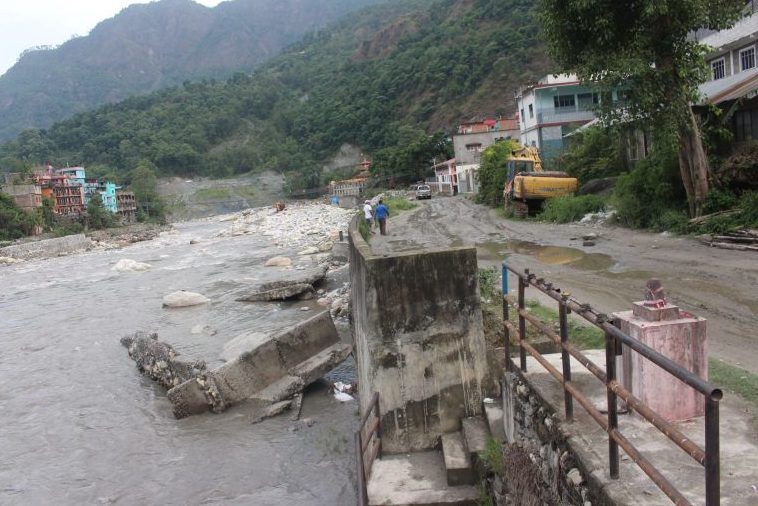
point(368, 213)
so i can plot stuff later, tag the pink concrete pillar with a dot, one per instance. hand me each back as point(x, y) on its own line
point(679, 336)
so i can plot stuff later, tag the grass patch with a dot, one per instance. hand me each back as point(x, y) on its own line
point(582, 336)
point(397, 204)
point(364, 230)
point(571, 208)
point(211, 193)
point(734, 379)
point(492, 457)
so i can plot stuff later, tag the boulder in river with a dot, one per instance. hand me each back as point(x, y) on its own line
point(183, 298)
point(128, 265)
point(278, 262)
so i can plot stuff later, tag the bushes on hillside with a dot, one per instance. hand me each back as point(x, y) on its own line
point(14, 222)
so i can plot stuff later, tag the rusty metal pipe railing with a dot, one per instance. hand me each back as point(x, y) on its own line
point(709, 457)
point(668, 429)
point(614, 434)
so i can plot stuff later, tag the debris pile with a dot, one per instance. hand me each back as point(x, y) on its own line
point(740, 240)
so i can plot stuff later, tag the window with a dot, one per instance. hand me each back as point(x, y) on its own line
point(522, 114)
point(474, 148)
point(746, 125)
point(747, 58)
point(564, 101)
point(587, 101)
point(531, 111)
point(718, 68)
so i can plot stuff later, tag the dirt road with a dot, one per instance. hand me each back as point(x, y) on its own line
point(719, 285)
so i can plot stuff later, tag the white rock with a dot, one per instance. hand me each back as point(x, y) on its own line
point(323, 301)
point(310, 250)
point(128, 265)
point(278, 262)
point(325, 246)
point(184, 299)
point(343, 397)
point(337, 304)
point(574, 477)
point(8, 260)
point(305, 308)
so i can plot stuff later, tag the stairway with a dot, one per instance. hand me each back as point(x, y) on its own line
point(438, 478)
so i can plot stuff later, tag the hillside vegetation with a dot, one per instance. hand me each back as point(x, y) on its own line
point(150, 46)
point(378, 78)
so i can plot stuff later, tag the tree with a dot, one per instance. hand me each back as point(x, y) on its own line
point(493, 172)
point(97, 215)
point(144, 184)
point(14, 222)
point(643, 47)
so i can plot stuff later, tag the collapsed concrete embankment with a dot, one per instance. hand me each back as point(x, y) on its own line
point(267, 369)
point(418, 339)
point(47, 247)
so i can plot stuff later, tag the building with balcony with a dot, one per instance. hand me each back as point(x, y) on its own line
point(474, 137)
point(126, 205)
point(69, 200)
point(445, 178)
point(552, 108)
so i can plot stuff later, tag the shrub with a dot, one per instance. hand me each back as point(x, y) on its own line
point(593, 153)
point(749, 206)
point(674, 221)
point(650, 189)
point(719, 200)
point(397, 204)
point(571, 208)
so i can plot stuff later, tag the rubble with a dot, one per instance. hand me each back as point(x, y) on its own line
point(298, 283)
point(159, 361)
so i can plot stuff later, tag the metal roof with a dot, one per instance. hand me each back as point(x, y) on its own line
point(742, 84)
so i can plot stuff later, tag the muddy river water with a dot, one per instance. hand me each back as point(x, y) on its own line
point(80, 425)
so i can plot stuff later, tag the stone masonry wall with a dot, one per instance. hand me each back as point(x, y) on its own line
point(47, 247)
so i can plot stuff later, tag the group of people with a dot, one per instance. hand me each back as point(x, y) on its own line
point(380, 215)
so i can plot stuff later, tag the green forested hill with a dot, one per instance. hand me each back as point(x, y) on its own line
point(147, 47)
point(378, 78)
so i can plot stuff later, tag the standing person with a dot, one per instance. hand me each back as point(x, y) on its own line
point(382, 213)
point(368, 214)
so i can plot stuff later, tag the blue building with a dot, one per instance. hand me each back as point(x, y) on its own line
point(108, 194)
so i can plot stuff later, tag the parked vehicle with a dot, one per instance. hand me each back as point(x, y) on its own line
point(423, 191)
point(528, 185)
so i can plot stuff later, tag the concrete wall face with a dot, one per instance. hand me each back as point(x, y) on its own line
point(47, 247)
point(419, 341)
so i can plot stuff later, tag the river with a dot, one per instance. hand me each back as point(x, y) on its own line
point(80, 425)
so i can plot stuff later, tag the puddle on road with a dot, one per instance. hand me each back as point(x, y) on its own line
point(549, 255)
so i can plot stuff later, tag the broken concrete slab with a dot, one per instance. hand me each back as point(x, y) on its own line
point(160, 361)
point(292, 284)
point(272, 369)
point(494, 414)
point(272, 410)
point(475, 434)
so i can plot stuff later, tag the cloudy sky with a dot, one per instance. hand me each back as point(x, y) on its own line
point(29, 23)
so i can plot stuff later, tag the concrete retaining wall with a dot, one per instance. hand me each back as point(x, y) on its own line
point(47, 247)
point(418, 340)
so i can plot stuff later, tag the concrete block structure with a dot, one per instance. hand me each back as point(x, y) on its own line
point(418, 341)
point(677, 335)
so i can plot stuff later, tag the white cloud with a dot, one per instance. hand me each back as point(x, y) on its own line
point(31, 23)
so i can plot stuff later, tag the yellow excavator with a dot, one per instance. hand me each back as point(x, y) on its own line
point(528, 185)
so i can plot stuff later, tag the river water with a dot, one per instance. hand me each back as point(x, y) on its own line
point(80, 425)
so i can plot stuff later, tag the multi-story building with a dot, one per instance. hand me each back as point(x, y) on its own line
point(733, 66)
point(472, 138)
point(552, 108)
point(69, 200)
point(126, 205)
point(27, 196)
point(107, 192)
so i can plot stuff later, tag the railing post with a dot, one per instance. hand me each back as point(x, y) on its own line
point(610, 373)
point(712, 466)
point(521, 323)
point(568, 401)
point(362, 489)
point(506, 316)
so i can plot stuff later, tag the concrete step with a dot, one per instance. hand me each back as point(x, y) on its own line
point(416, 479)
point(457, 462)
point(476, 433)
point(493, 411)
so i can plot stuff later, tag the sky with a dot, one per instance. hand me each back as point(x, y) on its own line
point(30, 23)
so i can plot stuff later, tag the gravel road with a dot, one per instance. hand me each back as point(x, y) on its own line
point(717, 284)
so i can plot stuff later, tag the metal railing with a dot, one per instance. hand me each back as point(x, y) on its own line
point(367, 437)
point(614, 338)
